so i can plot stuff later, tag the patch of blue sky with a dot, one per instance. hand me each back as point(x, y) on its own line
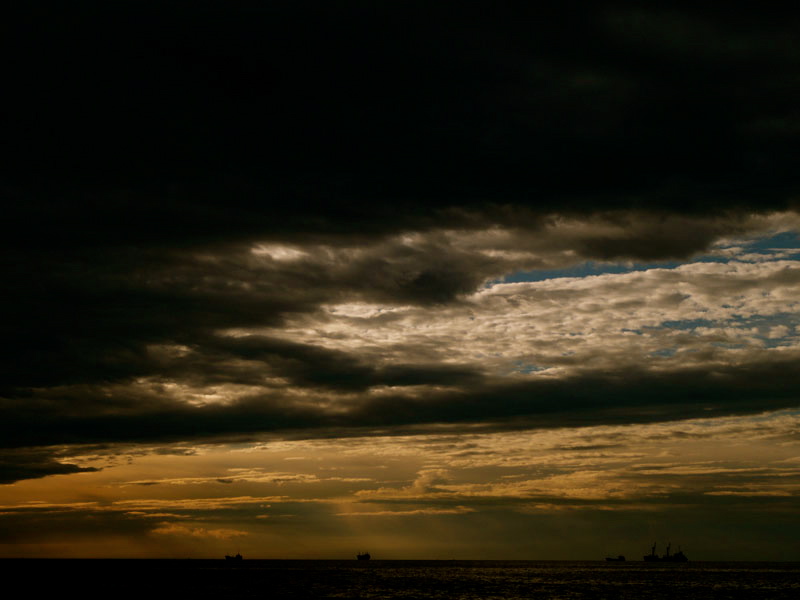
point(664, 352)
point(773, 330)
point(776, 342)
point(687, 324)
point(778, 244)
point(776, 330)
point(760, 322)
point(765, 321)
point(526, 368)
point(584, 269)
point(787, 240)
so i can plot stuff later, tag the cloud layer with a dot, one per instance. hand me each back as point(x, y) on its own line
point(305, 222)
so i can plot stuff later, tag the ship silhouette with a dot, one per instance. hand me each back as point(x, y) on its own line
point(679, 556)
point(238, 557)
point(363, 556)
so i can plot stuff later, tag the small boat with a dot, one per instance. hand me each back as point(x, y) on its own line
point(619, 558)
point(363, 556)
point(237, 558)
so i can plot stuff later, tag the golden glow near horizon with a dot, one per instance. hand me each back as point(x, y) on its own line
point(323, 498)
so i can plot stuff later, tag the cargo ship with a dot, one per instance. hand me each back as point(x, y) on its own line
point(679, 556)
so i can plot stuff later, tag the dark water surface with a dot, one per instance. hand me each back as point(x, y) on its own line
point(461, 580)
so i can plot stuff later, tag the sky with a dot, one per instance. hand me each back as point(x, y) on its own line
point(429, 280)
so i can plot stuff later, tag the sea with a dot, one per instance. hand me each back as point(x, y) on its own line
point(383, 579)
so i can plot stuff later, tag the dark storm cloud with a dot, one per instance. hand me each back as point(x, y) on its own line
point(661, 237)
point(317, 367)
point(192, 123)
point(196, 122)
point(96, 319)
point(630, 396)
point(91, 415)
point(33, 464)
point(153, 147)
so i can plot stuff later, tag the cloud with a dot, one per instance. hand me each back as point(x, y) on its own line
point(34, 463)
point(702, 335)
point(753, 493)
point(177, 529)
point(249, 476)
point(280, 240)
point(458, 510)
point(621, 110)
